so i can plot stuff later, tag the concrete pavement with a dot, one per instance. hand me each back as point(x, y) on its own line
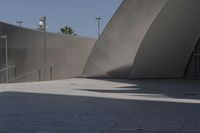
point(101, 106)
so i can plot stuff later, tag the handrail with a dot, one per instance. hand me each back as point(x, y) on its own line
point(32, 72)
point(25, 74)
point(4, 69)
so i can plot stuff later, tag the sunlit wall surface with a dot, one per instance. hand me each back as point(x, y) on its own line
point(65, 55)
point(147, 39)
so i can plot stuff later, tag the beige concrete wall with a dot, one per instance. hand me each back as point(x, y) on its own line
point(67, 54)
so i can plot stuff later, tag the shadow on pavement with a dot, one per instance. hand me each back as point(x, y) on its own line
point(45, 113)
point(174, 88)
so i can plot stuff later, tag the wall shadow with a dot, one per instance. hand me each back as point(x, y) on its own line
point(174, 88)
point(41, 113)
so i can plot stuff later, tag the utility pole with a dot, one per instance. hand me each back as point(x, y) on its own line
point(99, 25)
point(43, 27)
point(20, 23)
point(6, 52)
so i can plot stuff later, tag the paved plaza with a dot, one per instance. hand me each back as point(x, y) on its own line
point(101, 106)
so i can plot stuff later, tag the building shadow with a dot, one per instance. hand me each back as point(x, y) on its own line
point(46, 113)
point(173, 88)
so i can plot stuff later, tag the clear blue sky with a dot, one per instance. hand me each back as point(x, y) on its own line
point(80, 14)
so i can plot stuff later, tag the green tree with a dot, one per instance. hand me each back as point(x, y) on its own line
point(68, 30)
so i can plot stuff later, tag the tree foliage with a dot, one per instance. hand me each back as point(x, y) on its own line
point(68, 30)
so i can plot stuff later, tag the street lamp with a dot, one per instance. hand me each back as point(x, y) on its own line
point(43, 23)
point(6, 47)
point(20, 23)
point(98, 24)
point(43, 27)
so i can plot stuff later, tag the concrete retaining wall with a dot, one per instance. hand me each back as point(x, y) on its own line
point(67, 54)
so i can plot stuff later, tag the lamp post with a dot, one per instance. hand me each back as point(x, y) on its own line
point(98, 24)
point(6, 50)
point(43, 27)
point(20, 23)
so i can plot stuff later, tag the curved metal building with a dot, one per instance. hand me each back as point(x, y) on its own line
point(149, 39)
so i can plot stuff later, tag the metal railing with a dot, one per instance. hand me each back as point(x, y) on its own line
point(11, 76)
point(4, 69)
point(24, 76)
point(7, 73)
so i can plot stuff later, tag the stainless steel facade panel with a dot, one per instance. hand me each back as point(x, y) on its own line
point(117, 47)
point(147, 39)
point(168, 44)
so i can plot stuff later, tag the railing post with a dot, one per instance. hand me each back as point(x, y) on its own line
point(15, 71)
point(0, 77)
point(39, 72)
point(51, 72)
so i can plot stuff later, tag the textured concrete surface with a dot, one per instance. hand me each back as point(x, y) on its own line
point(101, 106)
point(67, 54)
